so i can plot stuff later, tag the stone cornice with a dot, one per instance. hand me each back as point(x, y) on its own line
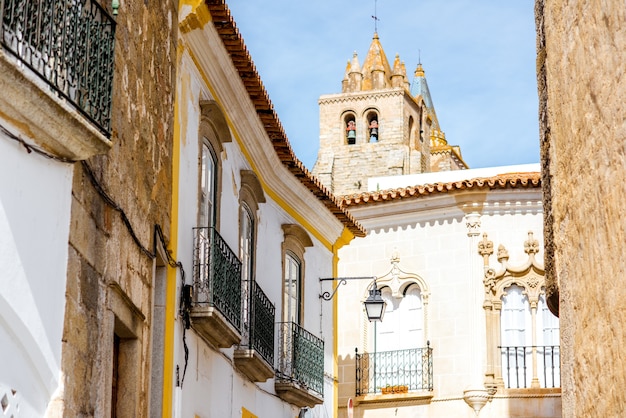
point(351, 97)
point(446, 207)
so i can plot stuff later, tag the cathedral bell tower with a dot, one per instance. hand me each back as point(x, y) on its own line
point(379, 125)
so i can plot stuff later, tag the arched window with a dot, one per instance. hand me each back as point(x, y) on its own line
point(350, 127)
point(548, 350)
point(400, 349)
point(403, 327)
point(292, 293)
point(515, 338)
point(373, 127)
point(294, 245)
point(208, 186)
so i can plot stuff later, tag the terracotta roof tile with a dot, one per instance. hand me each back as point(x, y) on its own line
point(501, 181)
point(233, 42)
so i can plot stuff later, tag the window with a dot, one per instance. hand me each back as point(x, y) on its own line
point(296, 240)
point(250, 195)
point(514, 322)
point(403, 327)
point(292, 290)
point(528, 360)
point(397, 356)
point(400, 347)
point(213, 133)
point(522, 334)
point(208, 186)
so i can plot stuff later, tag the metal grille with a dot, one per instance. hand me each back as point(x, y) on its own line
point(217, 275)
point(259, 323)
point(70, 45)
point(518, 370)
point(410, 369)
point(301, 358)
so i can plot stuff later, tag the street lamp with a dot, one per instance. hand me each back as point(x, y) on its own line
point(374, 304)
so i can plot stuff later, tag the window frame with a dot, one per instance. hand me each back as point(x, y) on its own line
point(294, 245)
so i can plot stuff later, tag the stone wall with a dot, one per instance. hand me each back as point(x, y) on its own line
point(110, 278)
point(581, 55)
point(345, 168)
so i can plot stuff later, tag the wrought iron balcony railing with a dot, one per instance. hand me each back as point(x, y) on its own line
point(399, 370)
point(523, 365)
point(300, 358)
point(70, 45)
point(217, 275)
point(258, 324)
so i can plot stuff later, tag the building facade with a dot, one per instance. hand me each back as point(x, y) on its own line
point(467, 328)
point(255, 233)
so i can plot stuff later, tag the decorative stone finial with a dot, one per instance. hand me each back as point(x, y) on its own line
point(485, 247)
point(503, 254)
point(531, 246)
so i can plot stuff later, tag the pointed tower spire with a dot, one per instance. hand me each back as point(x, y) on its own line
point(407, 85)
point(376, 69)
point(420, 88)
point(397, 77)
point(346, 77)
point(355, 77)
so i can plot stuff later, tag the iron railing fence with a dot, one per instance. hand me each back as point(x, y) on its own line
point(521, 364)
point(394, 371)
point(258, 322)
point(217, 275)
point(300, 358)
point(70, 45)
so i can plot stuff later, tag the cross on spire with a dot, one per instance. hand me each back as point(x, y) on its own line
point(375, 17)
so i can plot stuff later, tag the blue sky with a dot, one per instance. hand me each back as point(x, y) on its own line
point(479, 59)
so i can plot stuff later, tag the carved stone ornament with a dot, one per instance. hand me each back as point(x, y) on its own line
point(531, 246)
point(485, 247)
point(472, 221)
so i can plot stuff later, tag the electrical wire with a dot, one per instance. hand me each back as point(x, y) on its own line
point(158, 231)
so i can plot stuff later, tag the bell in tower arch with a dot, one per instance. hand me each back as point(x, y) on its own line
point(373, 130)
point(351, 132)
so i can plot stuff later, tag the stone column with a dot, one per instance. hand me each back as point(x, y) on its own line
point(476, 396)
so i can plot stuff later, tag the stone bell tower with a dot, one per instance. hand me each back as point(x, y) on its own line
point(379, 125)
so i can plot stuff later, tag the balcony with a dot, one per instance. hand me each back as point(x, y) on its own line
point(300, 374)
point(255, 355)
point(401, 372)
point(216, 304)
point(60, 56)
point(531, 366)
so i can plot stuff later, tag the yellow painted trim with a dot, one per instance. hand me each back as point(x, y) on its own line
point(170, 289)
point(344, 239)
point(247, 414)
point(274, 195)
point(197, 18)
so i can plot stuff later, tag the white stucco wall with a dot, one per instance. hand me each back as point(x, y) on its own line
point(430, 237)
point(213, 387)
point(35, 197)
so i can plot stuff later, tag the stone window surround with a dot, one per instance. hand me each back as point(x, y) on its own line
point(213, 131)
point(296, 239)
point(531, 277)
